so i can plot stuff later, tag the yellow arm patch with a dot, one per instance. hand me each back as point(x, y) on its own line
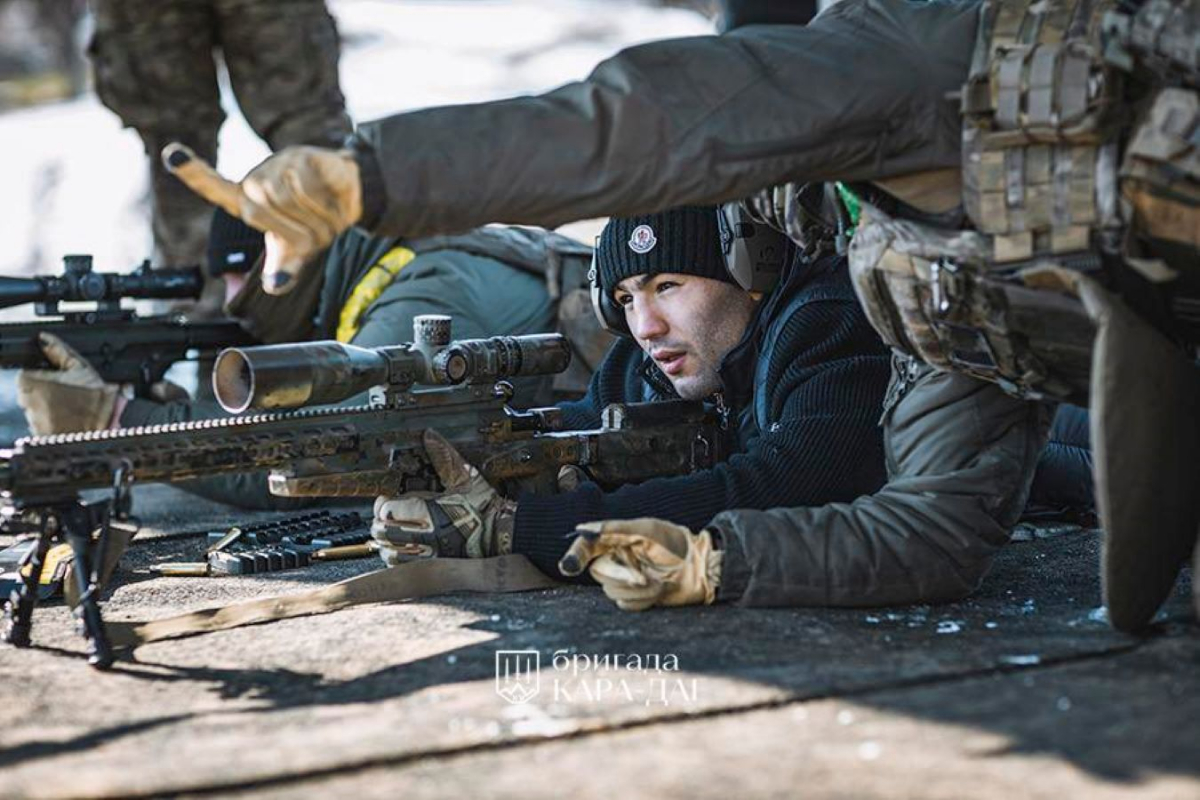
point(368, 289)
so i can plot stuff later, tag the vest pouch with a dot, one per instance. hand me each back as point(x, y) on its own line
point(1160, 174)
point(931, 294)
point(1039, 128)
point(1159, 37)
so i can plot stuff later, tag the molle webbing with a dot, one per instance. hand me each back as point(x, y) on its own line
point(1038, 170)
point(1162, 36)
point(1160, 175)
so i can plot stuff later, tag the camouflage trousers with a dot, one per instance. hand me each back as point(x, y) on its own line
point(155, 67)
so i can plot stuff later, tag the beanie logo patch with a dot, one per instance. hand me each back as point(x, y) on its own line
point(642, 240)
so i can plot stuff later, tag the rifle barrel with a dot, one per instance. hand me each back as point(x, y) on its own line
point(295, 375)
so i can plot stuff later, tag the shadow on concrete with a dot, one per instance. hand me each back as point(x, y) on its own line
point(1000, 661)
point(32, 751)
point(1122, 718)
point(1029, 657)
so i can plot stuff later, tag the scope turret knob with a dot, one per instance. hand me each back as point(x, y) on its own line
point(91, 286)
point(431, 330)
point(77, 264)
point(450, 366)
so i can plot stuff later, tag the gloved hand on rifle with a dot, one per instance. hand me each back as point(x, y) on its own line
point(72, 396)
point(646, 562)
point(468, 519)
point(300, 197)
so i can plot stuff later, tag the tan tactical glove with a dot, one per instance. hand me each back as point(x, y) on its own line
point(469, 519)
point(301, 198)
point(71, 397)
point(646, 562)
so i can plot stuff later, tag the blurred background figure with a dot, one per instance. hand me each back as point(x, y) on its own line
point(40, 55)
point(75, 182)
point(155, 66)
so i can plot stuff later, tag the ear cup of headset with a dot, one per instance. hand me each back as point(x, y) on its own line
point(755, 254)
point(610, 315)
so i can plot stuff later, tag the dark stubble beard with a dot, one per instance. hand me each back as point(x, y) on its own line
point(714, 338)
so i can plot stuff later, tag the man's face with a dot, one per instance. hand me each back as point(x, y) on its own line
point(686, 324)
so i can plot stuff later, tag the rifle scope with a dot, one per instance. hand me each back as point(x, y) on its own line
point(79, 284)
point(316, 373)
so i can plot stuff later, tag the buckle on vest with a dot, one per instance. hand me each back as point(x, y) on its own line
point(945, 285)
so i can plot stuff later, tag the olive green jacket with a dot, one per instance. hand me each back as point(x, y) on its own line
point(868, 90)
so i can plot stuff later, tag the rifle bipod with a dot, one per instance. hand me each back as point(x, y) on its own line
point(72, 521)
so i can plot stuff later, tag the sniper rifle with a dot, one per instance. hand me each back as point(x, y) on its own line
point(455, 388)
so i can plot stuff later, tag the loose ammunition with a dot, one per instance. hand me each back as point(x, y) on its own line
point(342, 553)
point(186, 569)
point(229, 538)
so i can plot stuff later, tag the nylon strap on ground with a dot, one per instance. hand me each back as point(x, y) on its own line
point(411, 581)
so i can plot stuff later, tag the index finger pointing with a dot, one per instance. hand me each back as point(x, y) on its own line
point(199, 176)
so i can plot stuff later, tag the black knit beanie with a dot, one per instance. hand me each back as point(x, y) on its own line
point(684, 240)
point(233, 246)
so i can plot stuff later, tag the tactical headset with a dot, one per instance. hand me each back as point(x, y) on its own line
point(755, 256)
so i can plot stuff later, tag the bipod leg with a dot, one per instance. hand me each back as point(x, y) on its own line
point(77, 527)
point(18, 611)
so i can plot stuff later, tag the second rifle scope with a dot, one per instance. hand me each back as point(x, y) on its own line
point(78, 283)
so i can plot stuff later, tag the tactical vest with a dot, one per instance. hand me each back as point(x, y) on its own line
point(1081, 148)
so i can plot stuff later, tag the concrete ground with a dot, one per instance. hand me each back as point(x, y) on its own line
point(1024, 690)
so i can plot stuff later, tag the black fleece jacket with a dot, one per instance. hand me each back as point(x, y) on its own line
point(803, 389)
